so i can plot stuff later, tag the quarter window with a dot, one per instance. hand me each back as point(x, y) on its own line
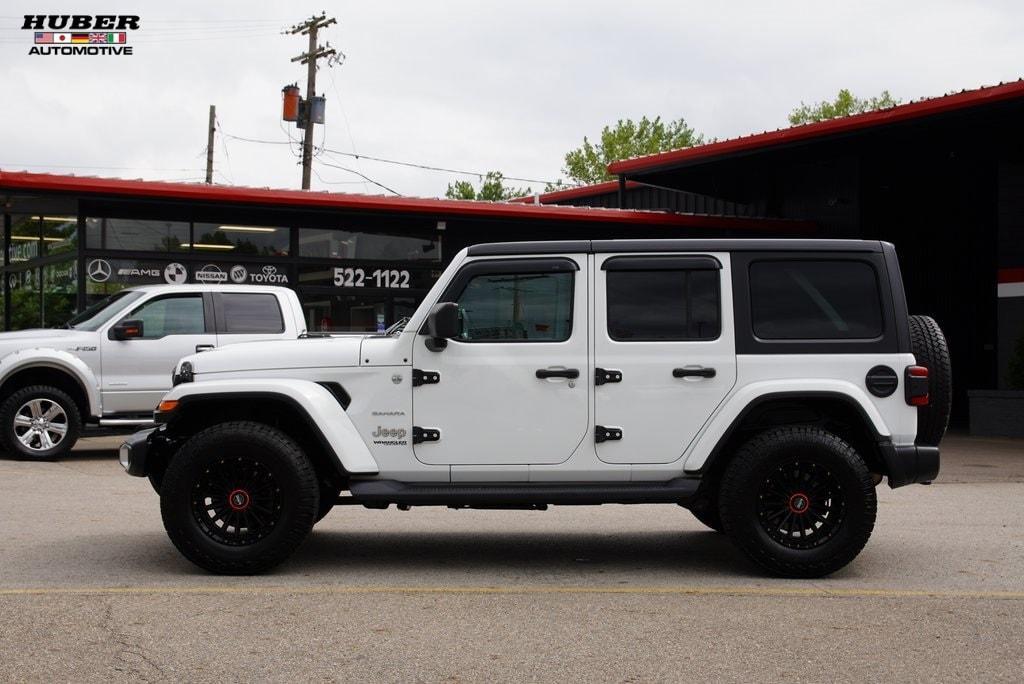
point(251, 313)
point(534, 307)
point(177, 315)
point(663, 305)
point(815, 300)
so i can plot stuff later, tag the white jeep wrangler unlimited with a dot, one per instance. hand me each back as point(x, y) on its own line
point(111, 364)
point(766, 385)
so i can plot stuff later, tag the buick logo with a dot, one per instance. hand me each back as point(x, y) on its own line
point(239, 274)
point(99, 270)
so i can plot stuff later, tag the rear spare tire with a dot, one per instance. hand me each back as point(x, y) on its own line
point(928, 345)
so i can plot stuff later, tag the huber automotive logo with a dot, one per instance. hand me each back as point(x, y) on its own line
point(80, 34)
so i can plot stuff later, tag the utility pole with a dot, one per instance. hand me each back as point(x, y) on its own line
point(310, 27)
point(209, 144)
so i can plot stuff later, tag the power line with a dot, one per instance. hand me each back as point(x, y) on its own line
point(361, 175)
point(415, 165)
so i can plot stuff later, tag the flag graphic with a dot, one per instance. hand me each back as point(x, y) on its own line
point(79, 37)
point(42, 38)
point(107, 38)
point(61, 37)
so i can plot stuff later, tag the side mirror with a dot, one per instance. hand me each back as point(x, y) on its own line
point(126, 330)
point(443, 323)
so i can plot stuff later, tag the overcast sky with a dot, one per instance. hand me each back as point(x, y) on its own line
point(466, 85)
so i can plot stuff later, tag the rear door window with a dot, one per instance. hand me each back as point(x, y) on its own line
point(815, 300)
point(245, 312)
point(663, 305)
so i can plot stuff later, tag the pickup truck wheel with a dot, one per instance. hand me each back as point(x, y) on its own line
point(39, 422)
point(238, 498)
point(799, 501)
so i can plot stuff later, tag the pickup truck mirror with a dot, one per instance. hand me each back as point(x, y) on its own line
point(443, 323)
point(126, 330)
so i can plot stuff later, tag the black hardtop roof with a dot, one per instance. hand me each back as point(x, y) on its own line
point(674, 245)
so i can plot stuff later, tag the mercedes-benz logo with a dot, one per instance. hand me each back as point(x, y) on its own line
point(99, 270)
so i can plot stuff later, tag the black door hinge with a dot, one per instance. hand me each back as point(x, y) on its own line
point(422, 377)
point(420, 434)
point(603, 375)
point(604, 434)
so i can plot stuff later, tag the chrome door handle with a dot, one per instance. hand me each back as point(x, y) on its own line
point(693, 372)
point(204, 347)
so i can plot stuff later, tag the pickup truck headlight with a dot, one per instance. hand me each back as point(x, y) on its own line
point(183, 373)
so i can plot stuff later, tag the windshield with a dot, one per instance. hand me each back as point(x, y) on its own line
point(102, 311)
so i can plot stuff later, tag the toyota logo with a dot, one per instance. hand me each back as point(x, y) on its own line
point(99, 270)
point(269, 270)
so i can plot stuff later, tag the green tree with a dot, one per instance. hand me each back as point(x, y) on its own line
point(492, 188)
point(588, 163)
point(845, 104)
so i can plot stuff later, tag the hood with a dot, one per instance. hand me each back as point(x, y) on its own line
point(312, 352)
point(51, 338)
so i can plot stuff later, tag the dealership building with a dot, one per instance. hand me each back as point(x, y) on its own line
point(357, 262)
point(942, 178)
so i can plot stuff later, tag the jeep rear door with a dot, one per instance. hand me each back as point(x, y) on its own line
point(664, 348)
point(513, 386)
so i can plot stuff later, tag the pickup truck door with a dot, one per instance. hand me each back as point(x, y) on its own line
point(513, 387)
point(137, 372)
point(251, 316)
point(664, 352)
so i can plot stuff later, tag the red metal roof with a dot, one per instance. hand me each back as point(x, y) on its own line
point(912, 110)
point(118, 187)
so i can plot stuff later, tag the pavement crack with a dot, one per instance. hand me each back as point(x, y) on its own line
point(130, 659)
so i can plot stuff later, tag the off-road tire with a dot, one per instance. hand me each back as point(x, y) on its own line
point(928, 345)
point(295, 489)
point(328, 497)
point(742, 498)
point(10, 407)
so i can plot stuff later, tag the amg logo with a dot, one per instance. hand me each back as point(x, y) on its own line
point(81, 22)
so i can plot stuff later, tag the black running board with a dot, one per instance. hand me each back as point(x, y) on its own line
point(378, 493)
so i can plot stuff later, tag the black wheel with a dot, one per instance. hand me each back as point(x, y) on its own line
point(799, 501)
point(39, 422)
point(928, 345)
point(238, 498)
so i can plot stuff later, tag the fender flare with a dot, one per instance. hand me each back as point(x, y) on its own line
point(325, 417)
point(46, 357)
point(723, 424)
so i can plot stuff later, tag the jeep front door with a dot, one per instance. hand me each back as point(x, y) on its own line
point(513, 384)
point(664, 351)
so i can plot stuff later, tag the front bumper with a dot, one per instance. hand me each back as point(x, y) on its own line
point(134, 452)
point(910, 464)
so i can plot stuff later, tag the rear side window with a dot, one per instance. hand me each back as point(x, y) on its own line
point(663, 305)
point(250, 313)
point(815, 300)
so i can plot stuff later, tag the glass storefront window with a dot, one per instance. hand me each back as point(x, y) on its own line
point(60, 234)
point(257, 240)
point(344, 244)
point(60, 292)
point(136, 235)
point(25, 239)
point(24, 289)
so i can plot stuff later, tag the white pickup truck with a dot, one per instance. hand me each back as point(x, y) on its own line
point(111, 364)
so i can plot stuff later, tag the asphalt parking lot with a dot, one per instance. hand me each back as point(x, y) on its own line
point(92, 590)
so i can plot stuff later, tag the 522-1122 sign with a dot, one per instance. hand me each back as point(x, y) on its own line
point(381, 278)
